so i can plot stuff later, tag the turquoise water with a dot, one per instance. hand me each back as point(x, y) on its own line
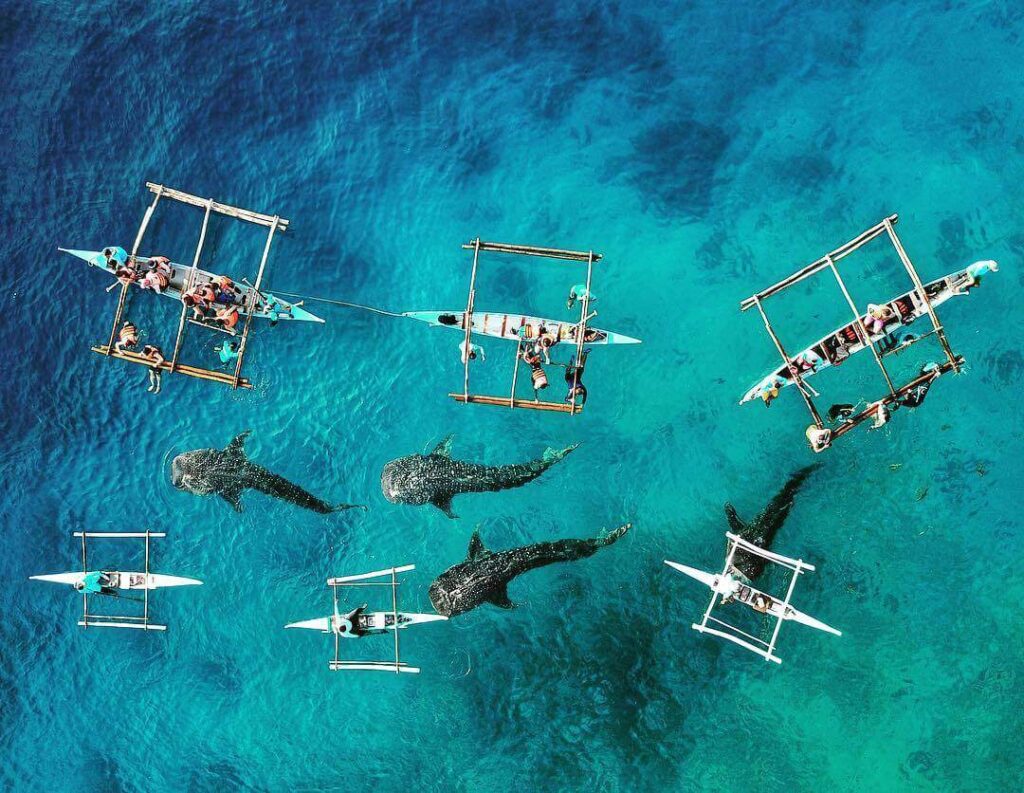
point(706, 151)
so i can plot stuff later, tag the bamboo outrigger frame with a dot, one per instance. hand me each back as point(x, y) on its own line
point(828, 261)
point(274, 222)
point(511, 401)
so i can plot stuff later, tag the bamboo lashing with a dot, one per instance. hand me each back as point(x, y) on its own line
point(468, 316)
point(224, 209)
point(842, 251)
point(797, 379)
point(135, 249)
point(859, 320)
point(921, 293)
point(254, 298)
point(189, 283)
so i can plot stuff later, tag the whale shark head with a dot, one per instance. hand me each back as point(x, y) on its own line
point(187, 473)
point(401, 481)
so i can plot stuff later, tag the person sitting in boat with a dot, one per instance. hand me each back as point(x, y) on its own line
point(539, 378)
point(114, 257)
point(159, 275)
point(127, 272)
point(199, 299)
point(574, 379)
point(275, 309)
point(470, 351)
point(127, 337)
point(807, 361)
point(450, 320)
point(94, 584)
point(225, 291)
point(820, 438)
point(761, 603)
point(227, 351)
point(155, 356)
point(579, 292)
point(545, 341)
point(877, 318)
point(228, 316)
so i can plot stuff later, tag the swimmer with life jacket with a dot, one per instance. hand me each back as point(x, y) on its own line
point(540, 380)
point(228, 316)
point(127, 337)
point(156, 359)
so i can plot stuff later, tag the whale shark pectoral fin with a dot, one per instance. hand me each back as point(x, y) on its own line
point(445, 505)
point(233, 496)
point(501, 599)
point(444, 448)
point(477, 550)
point(237, 447)
point(737, 525)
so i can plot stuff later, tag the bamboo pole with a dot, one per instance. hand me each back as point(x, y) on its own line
point(921, 293)
point(185, 369)
point(394, 611)
point(581, 332)
point(843, 250)
point(254, 296)
point(145, 592)
point(135, 249)
point(532, 250)
point(797, 379)
point(188, 284)
point(515, 375)
point(865, 337)
point(468, 316)
point(521, 404)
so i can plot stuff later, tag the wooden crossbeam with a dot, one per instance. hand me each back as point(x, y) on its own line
point(531, 250)
point(797, 379)
point(467, 318)
point(224, 209)
point(135, 249)
point(525, 404)
point(185, 369)
point(254, 296)
point(189, 283)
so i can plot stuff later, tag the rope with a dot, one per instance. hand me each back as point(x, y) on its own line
point(335, 302)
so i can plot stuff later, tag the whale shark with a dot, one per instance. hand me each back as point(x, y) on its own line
point(228, 472)
point(436, 478)
point(484, 575)
point(761, 530)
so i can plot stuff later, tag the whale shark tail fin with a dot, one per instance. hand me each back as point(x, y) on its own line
point(608, 538)
point(343, 507)
point(552, 456)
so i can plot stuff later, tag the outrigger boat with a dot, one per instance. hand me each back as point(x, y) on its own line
point(358, 623)
point(111, 582)
point(526, 330)
point(181, 279)
point(731, 586)
point(249, 299)
point(837, 346)
point(884, 320)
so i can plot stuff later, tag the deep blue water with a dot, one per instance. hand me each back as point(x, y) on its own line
point(706, 149)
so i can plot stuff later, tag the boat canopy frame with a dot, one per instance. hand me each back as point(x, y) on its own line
point(512, 402)
point(140, 622)
point(953, 361)
point(275, 223)
point(729, 632)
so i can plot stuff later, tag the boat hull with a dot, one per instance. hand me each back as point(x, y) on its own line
point(179, 273)
point(907, 307)
point(518, 326)
point(125, 580)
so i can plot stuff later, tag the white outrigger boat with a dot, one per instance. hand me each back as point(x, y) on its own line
point(358, 623)
point(877, 329)
point(730, 586)
point(518, 327)
point(111, 582)
point(181, 279)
